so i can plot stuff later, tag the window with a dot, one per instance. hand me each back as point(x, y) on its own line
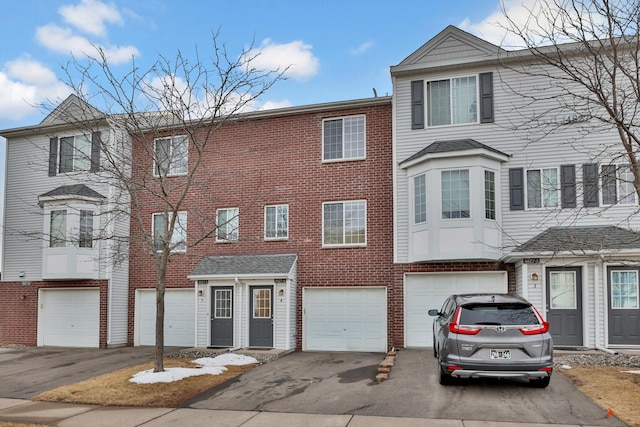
point(85, 238)
point(276, 222)
point(489, 195)
point(75, 154)
point(344, 138)
point(617, 185)
point(344, 223)
point(452, 101)
point(58, 229)
point(624, 289)
point(178, 241)
point(223, 304)
point(455, 194)
point(227, 225)
point(542, 188)
point(420, 199)
point(171, 156)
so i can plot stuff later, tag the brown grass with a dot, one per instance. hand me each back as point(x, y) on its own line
point(114, 389)
point(611, 388)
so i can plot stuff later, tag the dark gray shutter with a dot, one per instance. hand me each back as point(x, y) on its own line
point(53, 156)
point(95, 152)
point(486, 98)
point(516, 189)
point(590, 184)
point(568, 186)
point(417, 104)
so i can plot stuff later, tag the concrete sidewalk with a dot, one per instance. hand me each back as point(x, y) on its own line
point(67, 415)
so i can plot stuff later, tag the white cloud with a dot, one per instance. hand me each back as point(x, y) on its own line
point(63, 40)
point(271, 105)
point(361, 49)
point(296, 55)
point(24, 84)
point(90, 16)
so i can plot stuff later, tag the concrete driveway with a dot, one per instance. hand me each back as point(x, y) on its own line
point(26, 372)
point(342, 383)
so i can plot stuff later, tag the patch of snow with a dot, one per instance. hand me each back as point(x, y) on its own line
point(565, 367)
point(632, 372)
point(209, 366)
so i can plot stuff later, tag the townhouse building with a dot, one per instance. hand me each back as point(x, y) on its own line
point(478, 206)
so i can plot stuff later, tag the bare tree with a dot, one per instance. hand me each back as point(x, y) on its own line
point(168, 114)
point(588, 53)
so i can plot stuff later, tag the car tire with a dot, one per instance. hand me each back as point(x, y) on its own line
point(541, 383)
point(443, 377)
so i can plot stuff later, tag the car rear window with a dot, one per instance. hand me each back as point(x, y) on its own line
point(498, 314)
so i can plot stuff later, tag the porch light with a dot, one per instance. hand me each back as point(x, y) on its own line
point(281, 292)
point(534, 277)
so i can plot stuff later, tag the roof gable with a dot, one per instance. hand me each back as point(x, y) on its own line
point(452, 45)
point(72, 109)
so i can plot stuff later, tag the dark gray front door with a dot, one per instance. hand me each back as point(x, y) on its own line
point(564, 305)
point(624, 307)
point(222, 317)
point(261, 317)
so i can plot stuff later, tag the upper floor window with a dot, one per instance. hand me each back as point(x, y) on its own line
point(344, 223)
point(75, 154)
point(171, 156)
point(58, 229)
point(542, 188)
point(453, 101)
point(227, 225)
point(178, 240)
point(276, 222)
point(489, 195)
point(420, 199)
point(343, 138)
point(85, 237)
point(455, 194)
point(617, 185)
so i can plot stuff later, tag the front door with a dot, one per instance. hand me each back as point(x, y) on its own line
point(624, 307)
point(564, 305)
point(261, 317)
point(222, 317)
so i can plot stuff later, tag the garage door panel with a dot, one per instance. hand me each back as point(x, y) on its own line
point(70, 317)
point(423, 292)
point(346, 319)
point(179, 317)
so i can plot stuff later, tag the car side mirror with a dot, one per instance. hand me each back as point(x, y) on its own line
point(434, 312)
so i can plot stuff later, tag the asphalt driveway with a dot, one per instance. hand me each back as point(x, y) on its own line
point(342, 383)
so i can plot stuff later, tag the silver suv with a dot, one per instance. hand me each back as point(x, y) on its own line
point(491, 335)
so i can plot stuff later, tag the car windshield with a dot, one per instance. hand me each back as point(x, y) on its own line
point(498, 314)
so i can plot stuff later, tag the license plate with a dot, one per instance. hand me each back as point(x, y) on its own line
point(500, 354)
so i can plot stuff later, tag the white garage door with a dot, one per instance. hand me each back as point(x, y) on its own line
point(69, 317)
point(423, 292)
point(345, 319)
point(179, 317)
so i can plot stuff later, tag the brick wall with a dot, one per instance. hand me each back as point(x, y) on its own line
point(278, 160)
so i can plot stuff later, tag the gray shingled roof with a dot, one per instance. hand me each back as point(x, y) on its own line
point(73, 190)
point(557, 239)
point(245, 264)
point(452, 145)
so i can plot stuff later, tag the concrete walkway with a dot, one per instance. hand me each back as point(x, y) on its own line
point(66, 415)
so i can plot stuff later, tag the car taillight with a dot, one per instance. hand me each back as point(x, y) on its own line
point(456, 328)
point(547, 370)
point(536, 329)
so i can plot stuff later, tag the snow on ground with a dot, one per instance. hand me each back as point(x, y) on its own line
point(210, 366)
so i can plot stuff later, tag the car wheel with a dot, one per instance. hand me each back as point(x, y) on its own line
point(541, 383)
point(443, 377)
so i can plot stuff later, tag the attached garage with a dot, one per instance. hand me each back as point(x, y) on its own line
point(69, 317)
point(424, 291)
point(345, 319)
point(179, 317)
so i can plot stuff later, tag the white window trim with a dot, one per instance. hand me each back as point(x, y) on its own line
point(237, 219)
point(155, 164)
point(618, 183)
point(153, 231)
point(469, 200)
point(345, 245)
point(526, 189)
point(450, 78)
point(412, 195)
point(72, 233)
point(265, 222)
point(74, 157)
point(611, 290)
point(345, 159)
point(495, 194)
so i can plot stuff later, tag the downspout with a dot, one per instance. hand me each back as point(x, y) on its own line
point(596, 280)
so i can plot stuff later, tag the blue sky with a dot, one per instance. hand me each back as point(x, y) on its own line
point(338, 50)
